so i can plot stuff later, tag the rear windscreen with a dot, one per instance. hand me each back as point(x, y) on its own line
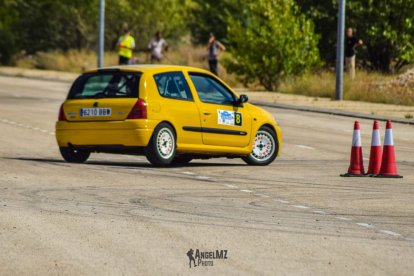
point(105, 85)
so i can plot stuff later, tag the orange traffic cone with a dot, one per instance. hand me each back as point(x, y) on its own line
point(388, 165)
point(356, 166)
point(376, 151)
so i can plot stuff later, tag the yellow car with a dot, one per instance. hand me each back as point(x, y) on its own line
point(170, 114)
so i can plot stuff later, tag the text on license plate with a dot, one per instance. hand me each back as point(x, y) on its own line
point(86, 112)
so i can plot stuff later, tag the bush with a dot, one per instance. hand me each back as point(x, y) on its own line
point(270, 42)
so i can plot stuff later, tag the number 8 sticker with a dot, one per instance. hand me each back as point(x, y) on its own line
point(237, 119)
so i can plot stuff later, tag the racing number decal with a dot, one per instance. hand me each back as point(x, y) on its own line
point(238, 119)
point(229, 118)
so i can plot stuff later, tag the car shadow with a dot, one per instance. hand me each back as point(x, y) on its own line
point(137, 164)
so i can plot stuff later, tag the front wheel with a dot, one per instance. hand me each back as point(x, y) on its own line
point(73, 155)
point(161, 148)
point(265, 148)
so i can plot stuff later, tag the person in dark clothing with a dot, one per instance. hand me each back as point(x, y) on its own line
point(351, 43)
point(190, 256)
point(214, 47)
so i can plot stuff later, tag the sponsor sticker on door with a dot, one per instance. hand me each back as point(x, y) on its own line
point(229, 118)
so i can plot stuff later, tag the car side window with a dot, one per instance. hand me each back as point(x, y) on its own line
point(210, 90)
point(173, 85)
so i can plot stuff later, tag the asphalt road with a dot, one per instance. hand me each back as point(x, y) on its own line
point(118, 215)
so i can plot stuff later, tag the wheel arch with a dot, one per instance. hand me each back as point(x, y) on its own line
point(171, 125)
point(278, 139)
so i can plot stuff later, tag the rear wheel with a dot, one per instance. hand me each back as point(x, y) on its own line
point(74, 155)
point(265, 148)
point(161, 148)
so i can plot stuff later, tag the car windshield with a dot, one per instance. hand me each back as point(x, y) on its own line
point(105, 85)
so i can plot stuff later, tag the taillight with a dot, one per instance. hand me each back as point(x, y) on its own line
point(139, 111)
point(62, 116)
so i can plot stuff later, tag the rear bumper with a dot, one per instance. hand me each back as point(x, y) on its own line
point(128, 133)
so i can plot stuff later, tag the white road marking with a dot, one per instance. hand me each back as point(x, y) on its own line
point(246, 191)
point(189, 173)
point(305, 147)
point(282, 201)
point(300, 206)
point(202, 177)
point(27, 126)
point(230, 186)
point(388, 232)
point(320, 212)
point(262, 195)
point(363, 224)
point(344, 218)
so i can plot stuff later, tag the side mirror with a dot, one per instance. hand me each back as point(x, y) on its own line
point(243, 99)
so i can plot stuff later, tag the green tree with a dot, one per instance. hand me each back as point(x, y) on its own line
point(324, 15)
point(386, 27)
point(7, 42)
point(42, 25)
point(210, 16)
point(143, 19)
point(48, 24)
point(270, 42)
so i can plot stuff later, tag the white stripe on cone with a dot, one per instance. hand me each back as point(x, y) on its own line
point(356, 138)
point(388, 140)
point(376, 141)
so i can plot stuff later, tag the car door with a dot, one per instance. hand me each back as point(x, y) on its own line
point(176, 105)
point(222, 122)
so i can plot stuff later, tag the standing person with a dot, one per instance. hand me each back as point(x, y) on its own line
point(351, 43)
point(214, 46)
point(126, 45)
point(190, 256)
point(157, 46)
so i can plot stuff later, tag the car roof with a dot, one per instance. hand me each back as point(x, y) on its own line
point(149, 68)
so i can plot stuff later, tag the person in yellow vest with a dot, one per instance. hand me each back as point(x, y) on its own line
point(126, 45)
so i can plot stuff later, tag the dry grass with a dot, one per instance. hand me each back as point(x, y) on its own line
point(365, 87)
point(71, 61)
point(78, 61)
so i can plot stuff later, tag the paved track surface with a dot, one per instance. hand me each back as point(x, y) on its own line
point(118, 215)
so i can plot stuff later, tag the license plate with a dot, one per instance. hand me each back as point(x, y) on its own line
point(95, 112)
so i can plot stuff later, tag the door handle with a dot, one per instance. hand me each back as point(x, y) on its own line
point(207, 113)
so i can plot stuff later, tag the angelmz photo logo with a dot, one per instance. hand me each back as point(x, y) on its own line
point(205, 258)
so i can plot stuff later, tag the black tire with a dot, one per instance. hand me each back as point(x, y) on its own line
point(162, 146)
point(182, 159)
point(73, 155)
point(266, 151)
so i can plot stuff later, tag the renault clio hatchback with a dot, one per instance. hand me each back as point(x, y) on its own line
point(170, 114)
